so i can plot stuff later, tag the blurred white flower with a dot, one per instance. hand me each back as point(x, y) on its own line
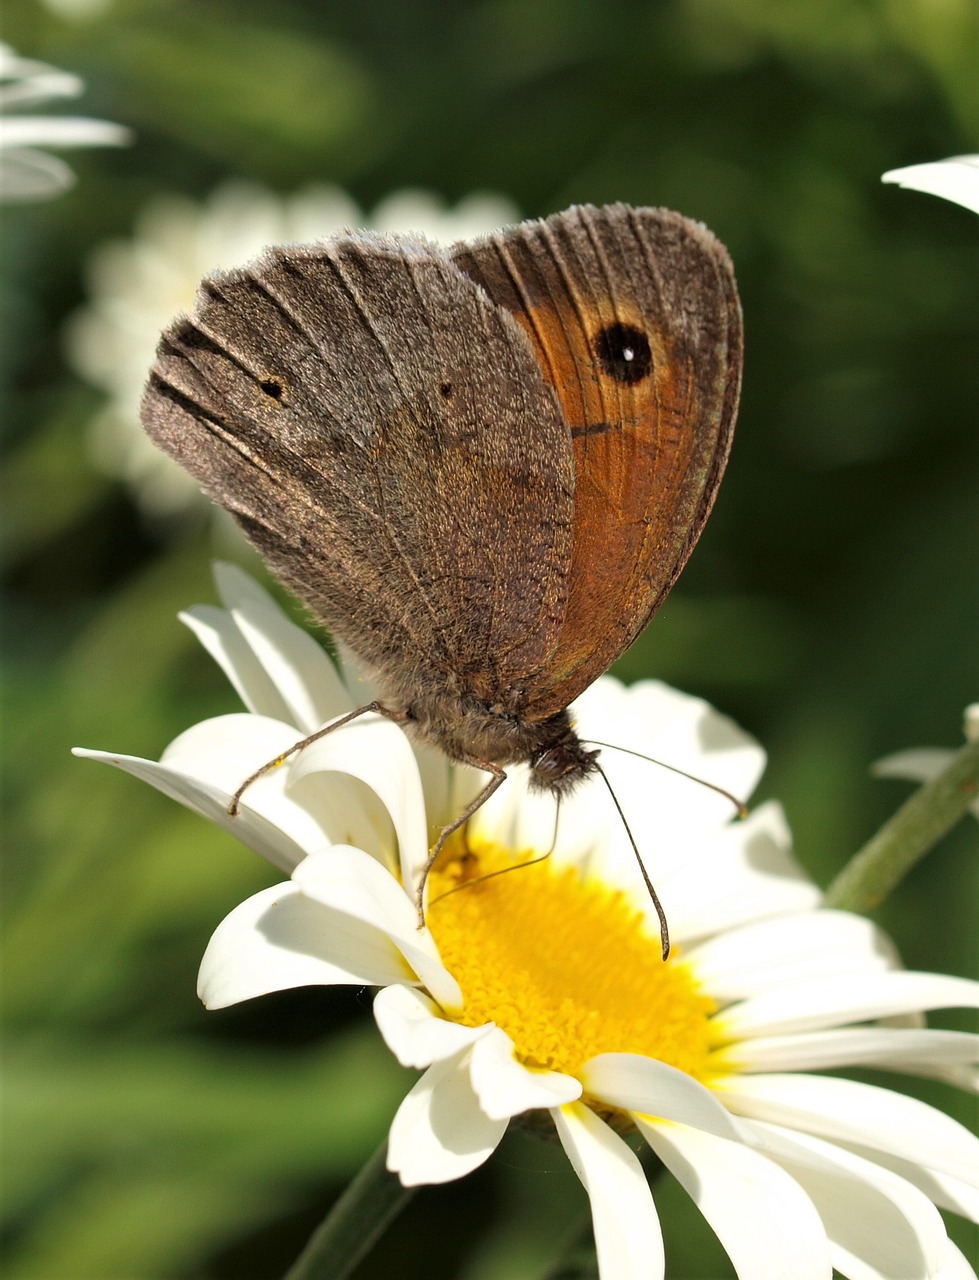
point(921, 764)
point(955, 179)
point(137, 286)
point(27, 173)
point(77, 10)
point(543, 991)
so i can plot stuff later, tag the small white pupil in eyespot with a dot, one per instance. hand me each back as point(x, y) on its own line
point(628, 353)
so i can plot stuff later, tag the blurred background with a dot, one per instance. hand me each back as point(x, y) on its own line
point(831, 606)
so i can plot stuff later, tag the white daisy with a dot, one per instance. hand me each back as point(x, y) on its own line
point(542, 992)
point(955, 179)
point(27, 173)
point(137, 286)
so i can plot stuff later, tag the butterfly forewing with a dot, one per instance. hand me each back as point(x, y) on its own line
point(634, 318)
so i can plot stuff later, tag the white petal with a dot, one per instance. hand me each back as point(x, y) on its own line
point(628, 1238)
point(788, 949)
point(645, 1085)
point(320, 810)
point(279, 939)
point(857, 1113)
point(353, 884)
point(918, 764)
point(746, 872)
point(506, 1088)
point(378, 753)
point(683, 731)
point(283, 838)
point(954, 1265)
point(941, 1188)
point(298, 668)
point(955, 179)
point(970, 722)
point(763, 1218)
point(415, 1030)
point(63, 131)
point(302, 672)
point(924, 1051)
point(440, 1132)
point(835, 1001)
point(220, 635)
point(26, 174)
point(880, 1225)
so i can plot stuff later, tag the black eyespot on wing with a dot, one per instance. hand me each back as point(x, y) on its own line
point(445, 391)
point(272, 387)
point(623, 352)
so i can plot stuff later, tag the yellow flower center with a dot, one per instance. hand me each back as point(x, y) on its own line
point(563, 964)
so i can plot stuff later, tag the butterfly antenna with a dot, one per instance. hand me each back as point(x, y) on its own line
point(664, 929)
point(739, 805)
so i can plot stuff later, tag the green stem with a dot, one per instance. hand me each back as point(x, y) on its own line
point(907, 836)
point(356, 1221)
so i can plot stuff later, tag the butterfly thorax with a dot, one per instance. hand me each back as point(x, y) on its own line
point(474, 733)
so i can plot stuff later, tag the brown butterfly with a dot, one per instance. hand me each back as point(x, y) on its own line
point(482, 467)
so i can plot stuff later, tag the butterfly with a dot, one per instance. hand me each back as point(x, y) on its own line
point(482, 467)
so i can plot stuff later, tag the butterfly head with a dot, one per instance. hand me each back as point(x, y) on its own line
point(562, 761)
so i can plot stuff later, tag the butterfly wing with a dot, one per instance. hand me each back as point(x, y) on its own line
point(635, 321)
point(382, 433)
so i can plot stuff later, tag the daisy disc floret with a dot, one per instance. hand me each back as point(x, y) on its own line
point(536, 992)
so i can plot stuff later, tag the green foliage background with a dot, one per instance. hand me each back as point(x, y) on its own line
point(831, 606)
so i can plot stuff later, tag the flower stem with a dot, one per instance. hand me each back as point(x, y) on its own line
point(907, 835)
point(356, 1221)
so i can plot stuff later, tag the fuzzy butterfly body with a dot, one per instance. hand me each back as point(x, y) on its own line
point(482, 467)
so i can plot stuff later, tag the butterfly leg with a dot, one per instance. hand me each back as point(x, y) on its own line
point(499, 776)
point(399, 717)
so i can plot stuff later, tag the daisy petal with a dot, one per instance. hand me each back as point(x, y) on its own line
point(735, 1189)
point(857, 1113)
point(506, 1088)
point(955, 179)
point(628, 1238)
point(280, 834)
point(643, 1085)
point(221, 637)
point(323, 810)
point(350, 882)
point(916, 1051)
point(745, 872)
point(954, 1265)
point(738, 964)
point(880, 1225)
point(825, 1002)
point(376, 751)
point(440, 1132)
point(918, 764)
point(303, 675)
point(414, 1030)
point(63, 131)
point(279, 939)
point(26, 174)
point(941, 1188)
